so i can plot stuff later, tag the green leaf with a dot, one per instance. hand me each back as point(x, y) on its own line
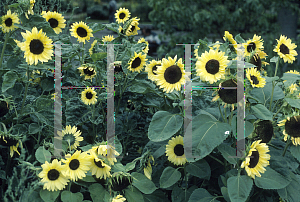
point(142, 183)
point(274, 59)
point(228, 151)
point(34, 128)
point(97, 190)
point(291, 192)
point(9, 79)
point(67, 196)
point(225, 194)
point(98, 56)
point(264, 94)
point(239, 39)
point(88, 178)
point(239, 188)
point(133, 195)
point(163, 125)
point(42, 155)
point(271, 179)
point(202, 195)
point(47, 84)
point(130, 166)
point(179, 195)
point(157, 196)
point(290, 78)
point(199, 169)
point(49, 196)
point(141, 86)
point(16, 90)
point(295, 151)
point(293, 102)
point(208, 133)
point(261, 112)
point(96, 27)
point(169, 177)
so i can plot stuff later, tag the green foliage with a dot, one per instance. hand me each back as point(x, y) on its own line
point(239, 187)
point(169, 177)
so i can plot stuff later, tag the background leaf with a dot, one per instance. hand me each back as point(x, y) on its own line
point(49, 196)
point(261, 112)
point(239, 188)
point(199, 169)
point(9, 79)
point(271, 179)
point(42, 155)
point(67, 196)
point(202, 195)
point(169, 177)
point(142, 183)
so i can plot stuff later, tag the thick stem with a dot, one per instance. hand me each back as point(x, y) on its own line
point(286, 146)
point(3, 49)
point(26, 90)
point(221, 112)
point(273, 86)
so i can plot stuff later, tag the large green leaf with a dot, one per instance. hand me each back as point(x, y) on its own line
point(9, 79)
point(290, 78)
point(208, 133)
point(293, 102)
point(202, 195)
point(169, 177)
point(47, 84)
point(199, 169)
point(49, 196)
point(179, 195)
point(295, 151)
point(264, 94)
point(67, 196)
point(163, 125)
point(157, 196)
point(95, 191)
point(133, 195)
point(239, 188)
point(34, 128)
point(261, 112)
point(227, 152)
point(142, 183)
point(291, 192)
point(98, 56)
point(271, 179)
point(42, 155)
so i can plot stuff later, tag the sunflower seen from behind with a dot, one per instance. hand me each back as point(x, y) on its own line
point(89, 96)
point(175, 151)
point(151, 69)
point(254, 44)
point(122, 15)
point(257, 159)
point(146, 49)
point(52, 176)
point(291, 128)
point(56, 20)
point(98, 167)
point(88, 71)
point(137, 62)
point(37, 46)
point(81, 31)
point(255, 78)
point(285, 49)
point(8, 22)
point(72, 136)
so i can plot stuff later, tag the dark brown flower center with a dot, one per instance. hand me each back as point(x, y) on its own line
point(251, 47)
point(120, 183)
point(284, 49)
point(212, 66)
point(8, 22)
point(99, 164)
point(292, 126)
point(89, 95)
point(173, 74)
point(118, 68)
point(154, 68)
point(254, 159)
point(179, 150)
point(229, 96)
point(88, 71)
point(264, 129)
point(53, 174)
point(74, 164)
point(255, 59)
point(254, 80)
point(132, 28)
point(122, 16)
point(136, 63)
point(53, 22)
point(8, 141)
point(81, 32)
point(36, 46)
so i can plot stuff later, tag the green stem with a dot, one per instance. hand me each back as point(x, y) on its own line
point(273, 86)
point(221, 113)
point(82, 53)
point(121, 93)
point(26, 90)
point(3, 49)
point(274, 105)
point(186, 182)
point(231, 115)
point(216, 159)
point(278, 111)
point(286, 146)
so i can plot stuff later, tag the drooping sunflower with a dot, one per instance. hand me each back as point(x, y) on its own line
point(211, 66)
point(285, 49)
point(132, 27)
point(88, 96)
point(11, 142)
point(92, 47)
point(255, 78)
point(81, 31)
point(8, 22)
point(175, 151)
point(56, 20)
point(151, 69)
point(256, 59)
point(76, 165)
point(293, 87)
point(108, 38)
point(52, 176)
point(120, 181)
point(122, 15)
point(254, 44)
point(137, 62)
point(146, 49)
point(37, 46)
point(119, 198)
point(147, 167)
point(292, 128)
point(98, 167)
point(264, 129)
point(229, 38)
point(88, 71)
point(170, 75)
point(72, 136)
point(257, 159)
point(106, 151)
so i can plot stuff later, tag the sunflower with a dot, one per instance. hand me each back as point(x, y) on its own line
point(264, 129)
point(88, 71)
point(170, 75)
point(148, 168)
point(106, 151)
point(151, 69)
point(255, 78)
point(98, 167)
point(132, 27)
point(88, 96)
point(81, 31)
point(92, 47)
point(256, 59)
point(175, 151)
point(72, 136)
point(108, 38)
point(293, 87)
point(76, 165)
point(30, 10)
point(285, 49)
point(56, 20)
point(257, 159)
point(52, 176)
point(8, 21)
point(254, 44)
point(137, 62)
point(120, 181)
point(292, 128)
point(229, 38)
point(122, 15)
point(146, 49)
point(119, 198)
point(37, 46)
point(211, 66)
point(11, 142)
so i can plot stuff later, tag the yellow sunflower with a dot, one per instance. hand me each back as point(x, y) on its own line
point(92, 47)
point(8, 21)
point(52, 176)
point(293, 87)
point(37, 46)
point(76, 165)
point(56, 20)
point(81, 31)
point(132, 27)
point(170, 75)
point(108, 38)
point(146, 49)
point(122, 15)
point(211, 66)
point(98, 167)
point(229, 38)
point(137, 62)
point(256, 59)
point(175, 151)
point(88, 96)
point(285, 49)
point(292, 125)
point(88, 71)
point(119, 198)
point(30, 10)
point(255, 78)
point(254, 44)
point(106, 151)
point(257, 159)
point(72, 136)
point(151, 69)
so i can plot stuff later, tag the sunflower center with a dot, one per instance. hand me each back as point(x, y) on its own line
point(8, 22)
point(284, 49)
point(118, 184)
point(89, 95)
point(132, 28)
point(254, 79)
point(212, 66)
point(255, 59)
point(173, 74)
point(154, 69)
point(81, 32)
point(228, 96)
point(36, 46)
point(265, 130)
point(53, 174)
point(122, 16)
point(254, 159)
point(74, 164)
point(179, 150)
point(88, 72)
point(53, 22)
point(251, 47)
point(292, 126)
point(99, 164)
point(136, 63)
point(8, 141)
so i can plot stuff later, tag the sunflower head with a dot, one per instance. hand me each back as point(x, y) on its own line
point(8, 21)
point(122, 15)
point(264, 129)
point(88, 71)
point(81, 31)
point(256, 59)
point(151, 69)
point(56, 20)
point(229, 38)
point(146, 49)
point(108, 38)
point(11, 141)
point(254, 44)
point(293, 88)
point(255, 78)
point(89, 96)
point(285, 49)
point(229, 96)
point(72, 136)
point(131, 27)
point(137, 62)
point(120, 181)
point(98, 166)
point(175, 151)
point(291, 128)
